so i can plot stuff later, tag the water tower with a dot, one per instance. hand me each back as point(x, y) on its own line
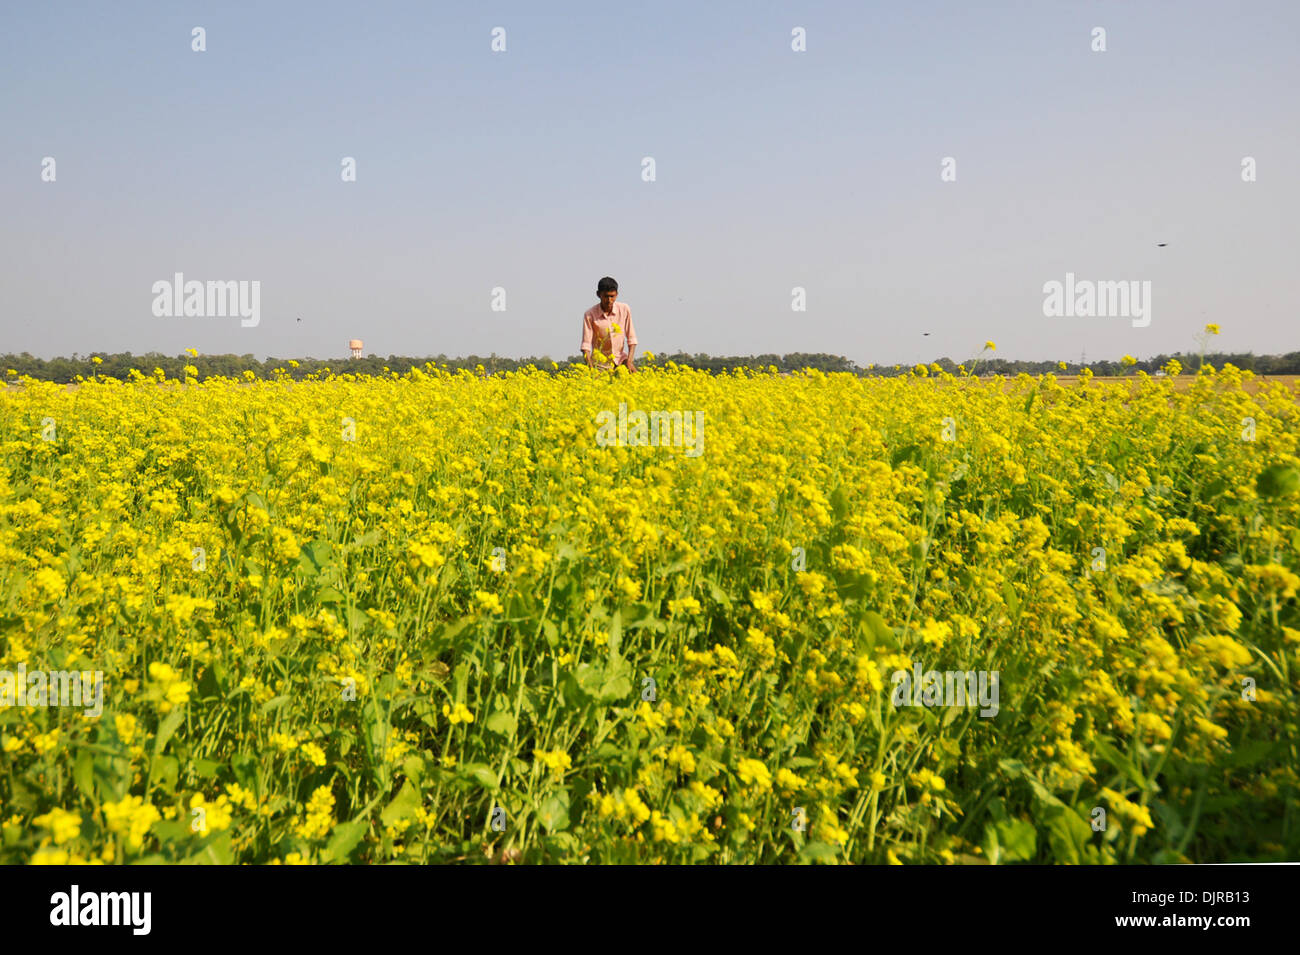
point(355, 345)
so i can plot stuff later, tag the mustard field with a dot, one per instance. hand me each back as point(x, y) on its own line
point(568, 616)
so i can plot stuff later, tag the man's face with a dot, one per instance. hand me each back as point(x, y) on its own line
point(607, 300)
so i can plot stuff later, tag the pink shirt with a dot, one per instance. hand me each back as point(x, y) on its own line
point(596, 326)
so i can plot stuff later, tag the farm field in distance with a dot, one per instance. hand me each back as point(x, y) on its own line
point(440, 617)
point(1251, 385)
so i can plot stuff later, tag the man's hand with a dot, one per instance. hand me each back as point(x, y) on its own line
point(587, 355)
point(631, 365)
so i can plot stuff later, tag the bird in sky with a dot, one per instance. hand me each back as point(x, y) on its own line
point(1161, 244)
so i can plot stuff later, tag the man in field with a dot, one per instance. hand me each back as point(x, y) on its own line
point(607, 327)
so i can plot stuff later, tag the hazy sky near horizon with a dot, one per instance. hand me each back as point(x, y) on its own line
point(774, 169)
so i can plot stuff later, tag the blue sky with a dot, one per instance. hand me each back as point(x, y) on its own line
point(774, 169)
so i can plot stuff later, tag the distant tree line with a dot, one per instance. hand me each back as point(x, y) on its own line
point(64, 370)
point(1288, 364)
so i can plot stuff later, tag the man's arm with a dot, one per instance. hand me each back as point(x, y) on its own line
point(630, 335)
point(586, 338)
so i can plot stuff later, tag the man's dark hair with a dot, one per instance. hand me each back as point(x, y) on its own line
point(606, 284)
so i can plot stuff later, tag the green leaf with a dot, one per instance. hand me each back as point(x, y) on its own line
point(173, 830)
point(1017, 840)
point(553, 813)
point(329, 595)
point(168, 727)
point(998, 809)
point(344, 839)
point(565, 843)
point(217, 851)
point(274, 703)
point(819, 852)
point(501, 722)
point(480, 773)
point(584, 681)
point(852, 586)
point(642, 615)
point(207, 768)
point(165, 771)
point(1120, 762)
point(1009, 595)
point(212, 680)
point(244, 766)
point(1278, 480)
point(414, 767)
point(839, 502)
point(521, 605)
point(1067, 834)
point(617, 682)
point(113, 777)
point(1043, 798)
point(444, 633)
point(83, 774)
point(403, 806)
point(878, 631)
point(908, 454)
point(718, 594)
point(615, 634)
point(365, 540)
point(607, 752)
point(1012, 767)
